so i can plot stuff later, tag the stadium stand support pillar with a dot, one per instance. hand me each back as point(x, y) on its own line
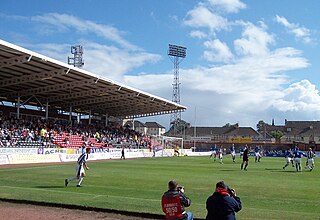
point(78, 118)
point(106, 119)
point(18, 108)
point(70, 115)
point(47, 111)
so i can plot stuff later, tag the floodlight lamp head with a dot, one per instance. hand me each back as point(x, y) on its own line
point(78, 49)
point(177, 51)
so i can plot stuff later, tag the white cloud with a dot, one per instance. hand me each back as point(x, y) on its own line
point(255, 40)
point(107, 61)
point(112, 62)
point(64, 22)
point(241, 91)
point(202, 17)
point(230, 6)
point(198, 34)
point(102, 59)
point(217, 51)
point(300, 96)
point(295, 29)
point(255, 84)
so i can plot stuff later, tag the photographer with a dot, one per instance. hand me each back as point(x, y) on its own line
point(174, 202)
point(223, 203)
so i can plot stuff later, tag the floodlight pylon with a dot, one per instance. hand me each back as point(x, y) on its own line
point(176, 54)
point(76, 60)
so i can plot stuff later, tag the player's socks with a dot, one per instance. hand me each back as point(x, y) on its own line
point(80, 181)
point(245, 167)
point(71, 179)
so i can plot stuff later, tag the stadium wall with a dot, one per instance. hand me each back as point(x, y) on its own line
point(56, 155)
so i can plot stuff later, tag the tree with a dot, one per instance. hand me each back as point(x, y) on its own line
point(261, 124)
point(228, 125)
point(277, 135)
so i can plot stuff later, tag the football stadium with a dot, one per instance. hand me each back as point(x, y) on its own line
point(51, 112)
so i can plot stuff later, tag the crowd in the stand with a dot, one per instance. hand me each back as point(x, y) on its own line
point(14, 131)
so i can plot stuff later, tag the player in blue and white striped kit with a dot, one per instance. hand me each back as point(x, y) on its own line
point(310, 162)
point(81, 163)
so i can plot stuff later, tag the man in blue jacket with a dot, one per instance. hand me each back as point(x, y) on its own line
point(223, 203)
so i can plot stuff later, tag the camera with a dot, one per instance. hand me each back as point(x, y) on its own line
point(230, 191)
point(180, 188)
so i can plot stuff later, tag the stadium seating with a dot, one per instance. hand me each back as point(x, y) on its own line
point(24, 133)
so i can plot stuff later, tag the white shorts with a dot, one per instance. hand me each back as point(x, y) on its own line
point(214, 152)
point(233, 154)
point(258, 155)
point(288, 159)
point(80, 170)
point(311, 162)
point(297, 160)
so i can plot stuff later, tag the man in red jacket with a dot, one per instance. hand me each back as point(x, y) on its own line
point(223, 203)
point(174, 202)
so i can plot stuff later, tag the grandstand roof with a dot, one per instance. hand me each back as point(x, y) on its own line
point(38, 79)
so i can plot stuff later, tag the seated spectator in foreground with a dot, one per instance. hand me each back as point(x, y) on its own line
point(174, 202)
point(223, 203)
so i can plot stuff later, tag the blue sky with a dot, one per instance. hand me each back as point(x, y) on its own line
point(246, 60)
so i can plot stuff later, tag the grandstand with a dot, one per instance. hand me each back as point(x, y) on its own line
point(29, 78)
point(37, 89)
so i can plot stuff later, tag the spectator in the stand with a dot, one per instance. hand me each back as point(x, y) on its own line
point(32, 130)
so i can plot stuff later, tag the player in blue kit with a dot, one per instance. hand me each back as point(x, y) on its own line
point(297, 154)
point(289, 158)
point(213, 153)
point(233, 153)
point(258, 156)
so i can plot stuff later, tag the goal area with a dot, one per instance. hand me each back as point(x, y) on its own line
point(167, 146)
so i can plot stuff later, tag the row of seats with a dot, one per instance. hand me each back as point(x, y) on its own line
point(74, 141)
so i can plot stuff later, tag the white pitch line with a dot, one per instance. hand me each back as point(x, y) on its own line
point(79, 193)
point(26, 168)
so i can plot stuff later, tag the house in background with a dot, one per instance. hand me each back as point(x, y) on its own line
point(148, 128)
point(231, 134)
point(153, 128)
point(137, 126)
point(306, 132)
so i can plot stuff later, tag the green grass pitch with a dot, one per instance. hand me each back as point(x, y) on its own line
point(266, 190)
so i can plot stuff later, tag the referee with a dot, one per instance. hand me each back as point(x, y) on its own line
point(245, 158)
